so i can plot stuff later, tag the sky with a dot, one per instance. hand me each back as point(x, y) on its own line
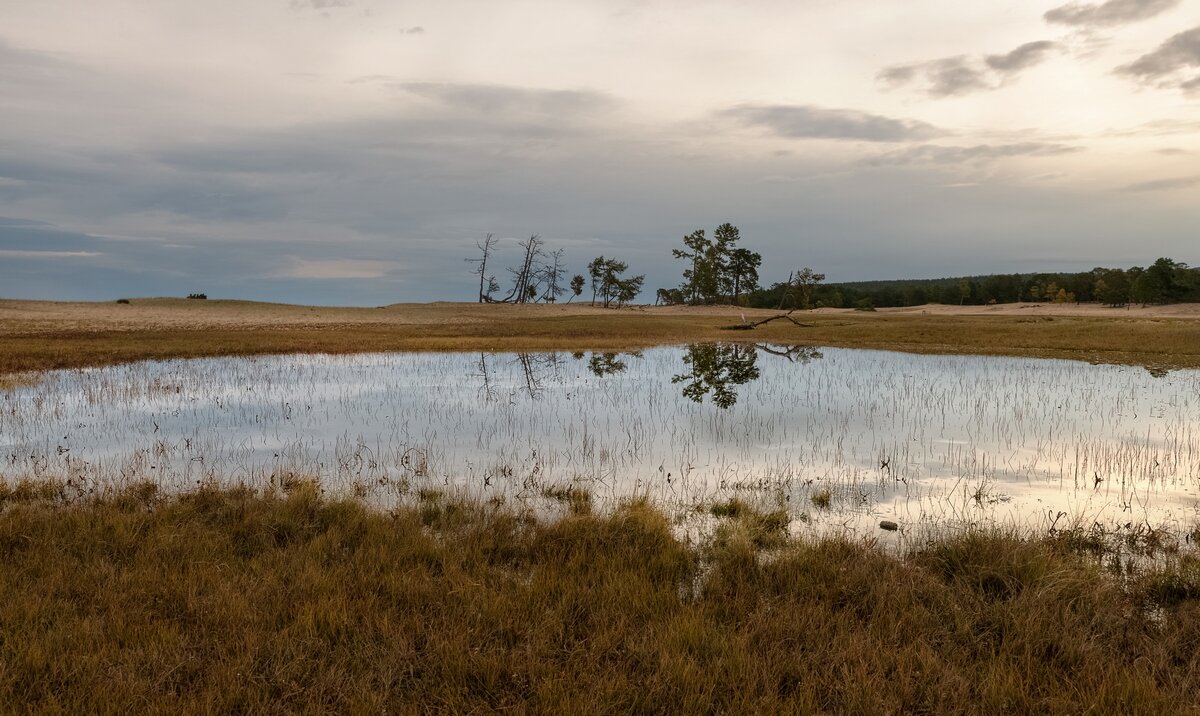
point(352, 152)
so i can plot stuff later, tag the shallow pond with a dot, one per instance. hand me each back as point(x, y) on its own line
point(878, 435)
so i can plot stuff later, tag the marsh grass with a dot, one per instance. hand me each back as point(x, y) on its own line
point(232, 600)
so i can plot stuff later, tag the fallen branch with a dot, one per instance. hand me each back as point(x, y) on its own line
point(751, 326)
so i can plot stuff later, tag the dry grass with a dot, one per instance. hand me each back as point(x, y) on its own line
point(41, 336)
point(227, 601)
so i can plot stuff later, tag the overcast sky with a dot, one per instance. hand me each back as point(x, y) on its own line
point(353, 151)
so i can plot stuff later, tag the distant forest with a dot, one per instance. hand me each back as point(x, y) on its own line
point(1164, 281)
point(718, 270)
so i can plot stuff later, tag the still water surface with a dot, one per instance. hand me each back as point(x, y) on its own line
point(911, 438)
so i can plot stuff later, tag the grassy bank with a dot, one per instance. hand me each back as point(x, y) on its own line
point(228, 601)
point(42, 336)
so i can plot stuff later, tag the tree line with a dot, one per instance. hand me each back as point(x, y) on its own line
point(718, 270)
point(1164, 281)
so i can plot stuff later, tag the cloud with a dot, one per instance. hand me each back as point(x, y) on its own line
point(1167, 66)
point(945, 77)
point(1108, 14)
point(1159, 128)
point(805, 122)
point(504, 98)
point(325, 269)
point(979, 153)
point(1025, 56)
point(319, 4)
point(963, 74)
point(20, 66)
point(38, 254)
point(1165, 184)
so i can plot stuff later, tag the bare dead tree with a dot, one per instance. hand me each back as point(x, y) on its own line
point(551, 275)
point(524, 277)
point(486, 284)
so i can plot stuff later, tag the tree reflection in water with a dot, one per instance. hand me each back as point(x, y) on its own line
point(602, 364)
point(716, 368)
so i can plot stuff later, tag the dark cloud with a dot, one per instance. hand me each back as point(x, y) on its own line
point(1108, 14)
point(1168, 65)
point(804, 122)
point(945, 77)
point(979, 153)
point(1025, 56)
point(898, 74)
point(961, 74)
point(1165, 184)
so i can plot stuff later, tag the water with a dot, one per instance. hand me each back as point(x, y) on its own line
point(911, 438)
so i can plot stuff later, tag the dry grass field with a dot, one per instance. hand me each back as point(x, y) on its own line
point(236, 602)
point(44, 335)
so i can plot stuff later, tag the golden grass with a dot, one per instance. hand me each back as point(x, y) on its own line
point(228, 601)
point(42, 336)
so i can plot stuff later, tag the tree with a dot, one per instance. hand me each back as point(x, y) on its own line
point(1157, 284)
point(719, 259)
point(719, 270)
point(596, 272)
point(577, 282)
point(487, 284)
point(743, 271)
point(807, 280)
point(628, 289)
point(669, 297)
point(525, 276)
point(609, 286)
point(551, 276)
point(1112, 288)
point(698, 278)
